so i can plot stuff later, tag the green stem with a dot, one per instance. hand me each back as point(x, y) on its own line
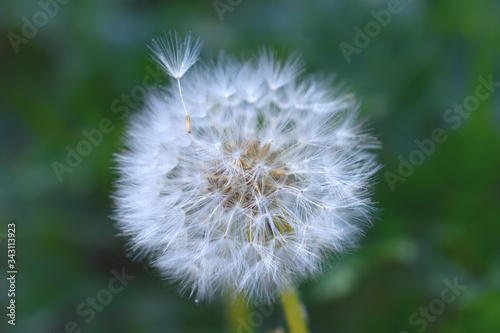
point(294, 312)
point(237, 314)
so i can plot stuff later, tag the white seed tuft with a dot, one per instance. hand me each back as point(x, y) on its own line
point(176, 56)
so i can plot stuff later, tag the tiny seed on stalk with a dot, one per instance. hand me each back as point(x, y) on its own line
point(188, 124)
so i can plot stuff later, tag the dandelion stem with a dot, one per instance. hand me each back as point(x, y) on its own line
point(294, 312)
point(238, 314)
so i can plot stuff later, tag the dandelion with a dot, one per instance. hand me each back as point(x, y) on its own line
point(273, 179)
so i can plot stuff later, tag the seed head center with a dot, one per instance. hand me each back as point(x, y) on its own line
point(249, 177)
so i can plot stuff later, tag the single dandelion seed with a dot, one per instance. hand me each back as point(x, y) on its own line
point(176, 57)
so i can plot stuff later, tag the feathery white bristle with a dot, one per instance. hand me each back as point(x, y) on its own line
point(176, 56)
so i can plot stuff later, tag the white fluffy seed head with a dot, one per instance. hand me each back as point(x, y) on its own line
point(274, 178)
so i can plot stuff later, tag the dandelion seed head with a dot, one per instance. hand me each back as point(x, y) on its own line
point(274, 177)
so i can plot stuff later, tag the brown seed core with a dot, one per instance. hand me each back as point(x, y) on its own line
point(250, 176)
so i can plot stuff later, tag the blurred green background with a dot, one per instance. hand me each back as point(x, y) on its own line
point(438, 223)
